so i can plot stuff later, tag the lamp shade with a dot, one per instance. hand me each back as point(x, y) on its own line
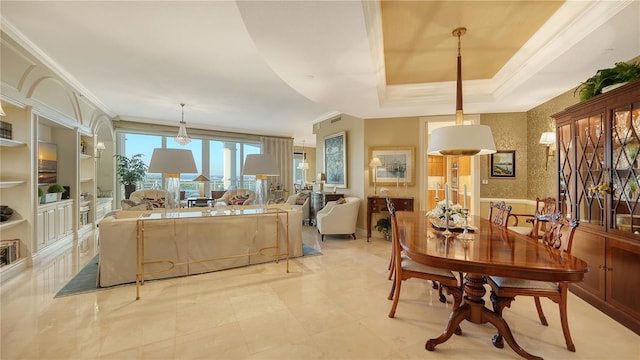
point(201, 178)
point(375, 162)
point(172, 161)
point(461, 140)
point(303, 166)
point(548, 138)
point(261, 164)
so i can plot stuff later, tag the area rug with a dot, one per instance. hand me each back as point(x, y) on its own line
point(87, 279)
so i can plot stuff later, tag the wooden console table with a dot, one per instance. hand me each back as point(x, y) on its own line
point(376, 204)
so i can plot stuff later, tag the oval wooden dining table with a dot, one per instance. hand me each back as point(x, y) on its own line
point(494, 251)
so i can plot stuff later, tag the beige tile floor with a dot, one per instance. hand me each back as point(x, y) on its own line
point(331, 306)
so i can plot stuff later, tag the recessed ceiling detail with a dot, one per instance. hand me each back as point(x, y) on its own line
point(417, 36)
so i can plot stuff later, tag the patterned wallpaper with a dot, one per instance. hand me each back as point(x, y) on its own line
point(521, 132)
point(509, 133)
point(543, 182)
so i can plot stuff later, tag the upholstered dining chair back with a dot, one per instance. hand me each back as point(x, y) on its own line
point(499, 213)
point(524, 223)
point(557, 232)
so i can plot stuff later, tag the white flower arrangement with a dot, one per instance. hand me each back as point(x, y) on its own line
point(456, 215)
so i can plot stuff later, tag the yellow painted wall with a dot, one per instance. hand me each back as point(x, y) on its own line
point(354, 128)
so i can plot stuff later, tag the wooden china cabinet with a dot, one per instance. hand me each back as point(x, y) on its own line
point(598, 161)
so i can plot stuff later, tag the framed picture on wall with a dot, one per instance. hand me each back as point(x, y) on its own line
point(335, 159)
point(503, 164)
point(47, 163)
point(398, 165)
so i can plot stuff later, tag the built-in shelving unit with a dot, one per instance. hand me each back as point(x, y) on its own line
point(15, 233)
point(42, 107)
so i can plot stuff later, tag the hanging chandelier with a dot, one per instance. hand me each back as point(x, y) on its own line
point(461, 140)
point(182, 138)
point(304, 165)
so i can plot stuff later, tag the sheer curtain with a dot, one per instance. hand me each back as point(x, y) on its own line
point(282, 149)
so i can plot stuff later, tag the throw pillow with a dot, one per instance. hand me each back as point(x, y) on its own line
point(156, 203)
point(239, 199)
point(341, 201)
point(302, 197)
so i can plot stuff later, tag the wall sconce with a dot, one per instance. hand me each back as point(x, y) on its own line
point(548, 139)
point(99, 149)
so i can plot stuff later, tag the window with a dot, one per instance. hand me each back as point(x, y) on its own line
point(219, 160)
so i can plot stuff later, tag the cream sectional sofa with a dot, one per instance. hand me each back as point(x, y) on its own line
point(224, 232)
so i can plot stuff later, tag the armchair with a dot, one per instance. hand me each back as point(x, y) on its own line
point(300, 200)
point(156, 198)
point(337, 218)
point(238, 197)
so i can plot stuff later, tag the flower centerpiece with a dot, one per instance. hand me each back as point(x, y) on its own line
point(456, 215)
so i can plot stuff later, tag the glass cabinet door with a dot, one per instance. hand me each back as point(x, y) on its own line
point(592, 181)
point(625, 169)
point(566, 162)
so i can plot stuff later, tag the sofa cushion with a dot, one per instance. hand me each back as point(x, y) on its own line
point(341, 201)
point(156, 203)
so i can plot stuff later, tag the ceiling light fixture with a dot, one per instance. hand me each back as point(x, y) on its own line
point(461, 140)
point(182, 138)
point(304, 165)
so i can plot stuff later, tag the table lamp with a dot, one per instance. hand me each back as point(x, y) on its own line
point(172, 163)
point(261, 166)
point(375, 163)
point(201, 180)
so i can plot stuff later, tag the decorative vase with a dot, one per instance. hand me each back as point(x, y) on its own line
point(128, 189)
point(5, 212)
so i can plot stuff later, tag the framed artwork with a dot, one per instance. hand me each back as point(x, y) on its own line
point(335, 159)
point(47, 163)
point(398, 165)
point(503, 164)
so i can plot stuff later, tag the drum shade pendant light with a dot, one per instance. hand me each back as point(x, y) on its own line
point(461, 140)
point(182, 138)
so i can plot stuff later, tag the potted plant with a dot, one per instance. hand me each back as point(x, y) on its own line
point(384, 226)
point(620, 73)
point(40, 195)
point(56, 189)
point(130, 171)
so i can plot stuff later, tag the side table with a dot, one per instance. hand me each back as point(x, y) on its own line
point(376, 204)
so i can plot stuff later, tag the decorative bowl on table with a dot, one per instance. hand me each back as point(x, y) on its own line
point(440, 224)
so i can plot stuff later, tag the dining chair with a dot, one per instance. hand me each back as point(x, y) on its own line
point(405, 268)
point(546, 205)
point(558, 238)
point(499, 213)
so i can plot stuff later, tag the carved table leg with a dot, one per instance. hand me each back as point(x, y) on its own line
point(499, 303)
point(474, 311)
